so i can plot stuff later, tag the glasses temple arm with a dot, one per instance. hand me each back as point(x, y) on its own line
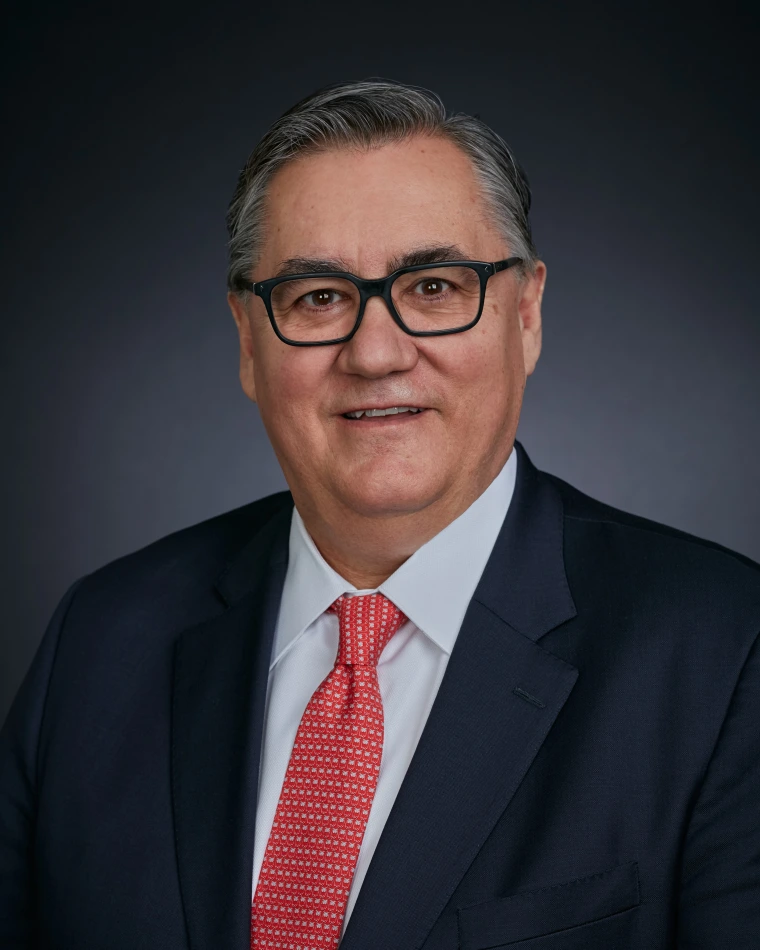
point(509, 262)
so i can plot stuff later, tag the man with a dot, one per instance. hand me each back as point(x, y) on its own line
point(431, 697)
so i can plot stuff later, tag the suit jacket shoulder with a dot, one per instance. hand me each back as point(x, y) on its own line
point(622, 530)
point(582, 507)
point(175, 574)
point(640, 579)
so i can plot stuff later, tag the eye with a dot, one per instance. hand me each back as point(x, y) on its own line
point(323, 297)
point(432, 286)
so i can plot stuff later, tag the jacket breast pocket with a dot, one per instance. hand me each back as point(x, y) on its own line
point(595, 904)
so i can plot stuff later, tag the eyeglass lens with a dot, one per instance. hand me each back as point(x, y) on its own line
point(318, 308)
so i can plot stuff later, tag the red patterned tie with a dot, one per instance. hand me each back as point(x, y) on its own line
point(311, 855)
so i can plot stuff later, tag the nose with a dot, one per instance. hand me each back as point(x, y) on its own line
point(379, 346)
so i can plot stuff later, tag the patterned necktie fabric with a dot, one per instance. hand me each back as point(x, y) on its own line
point(313, 847)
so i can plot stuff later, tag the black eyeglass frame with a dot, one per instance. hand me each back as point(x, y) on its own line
point(376, 288)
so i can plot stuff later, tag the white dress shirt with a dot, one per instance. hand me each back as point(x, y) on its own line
point(433, 588)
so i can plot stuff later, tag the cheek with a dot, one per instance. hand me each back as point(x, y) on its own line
point(290, 389)
point(486, 361)
point(489, 374)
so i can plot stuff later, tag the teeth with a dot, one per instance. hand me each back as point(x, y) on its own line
point(381, 412)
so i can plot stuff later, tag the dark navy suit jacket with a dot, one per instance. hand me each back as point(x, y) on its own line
point(588, 777)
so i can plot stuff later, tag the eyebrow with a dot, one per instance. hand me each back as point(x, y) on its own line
point(429, 254)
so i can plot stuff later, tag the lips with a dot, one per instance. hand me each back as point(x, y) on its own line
point(379, 413)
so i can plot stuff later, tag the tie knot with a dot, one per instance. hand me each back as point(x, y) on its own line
point(367, 622)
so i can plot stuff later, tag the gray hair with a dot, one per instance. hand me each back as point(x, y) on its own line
point(364, 114)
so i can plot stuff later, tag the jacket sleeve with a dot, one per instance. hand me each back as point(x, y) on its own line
point(719, 903)
point(18, 789)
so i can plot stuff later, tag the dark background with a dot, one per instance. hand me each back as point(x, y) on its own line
point(123, 418)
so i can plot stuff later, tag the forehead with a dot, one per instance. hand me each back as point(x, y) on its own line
point(368, 206)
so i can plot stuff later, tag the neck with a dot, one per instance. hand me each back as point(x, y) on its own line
point(367, 554)
point(366, 550)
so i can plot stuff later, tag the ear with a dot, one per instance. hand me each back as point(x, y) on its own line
point(240, 313)
point(529, 310)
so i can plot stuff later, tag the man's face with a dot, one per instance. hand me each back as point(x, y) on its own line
point(368, 208)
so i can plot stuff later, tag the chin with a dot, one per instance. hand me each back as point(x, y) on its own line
point(391, 493)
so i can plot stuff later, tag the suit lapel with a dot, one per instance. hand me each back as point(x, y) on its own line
point(220, 680)
point(498, 699)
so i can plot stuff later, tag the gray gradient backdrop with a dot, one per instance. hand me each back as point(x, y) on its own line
point(123, 416)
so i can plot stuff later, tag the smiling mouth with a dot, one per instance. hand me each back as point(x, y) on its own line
point(381, 413)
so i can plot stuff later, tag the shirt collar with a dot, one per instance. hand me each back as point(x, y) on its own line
point(433, 587)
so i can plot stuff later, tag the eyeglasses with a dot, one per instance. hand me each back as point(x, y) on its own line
point(424, 300)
